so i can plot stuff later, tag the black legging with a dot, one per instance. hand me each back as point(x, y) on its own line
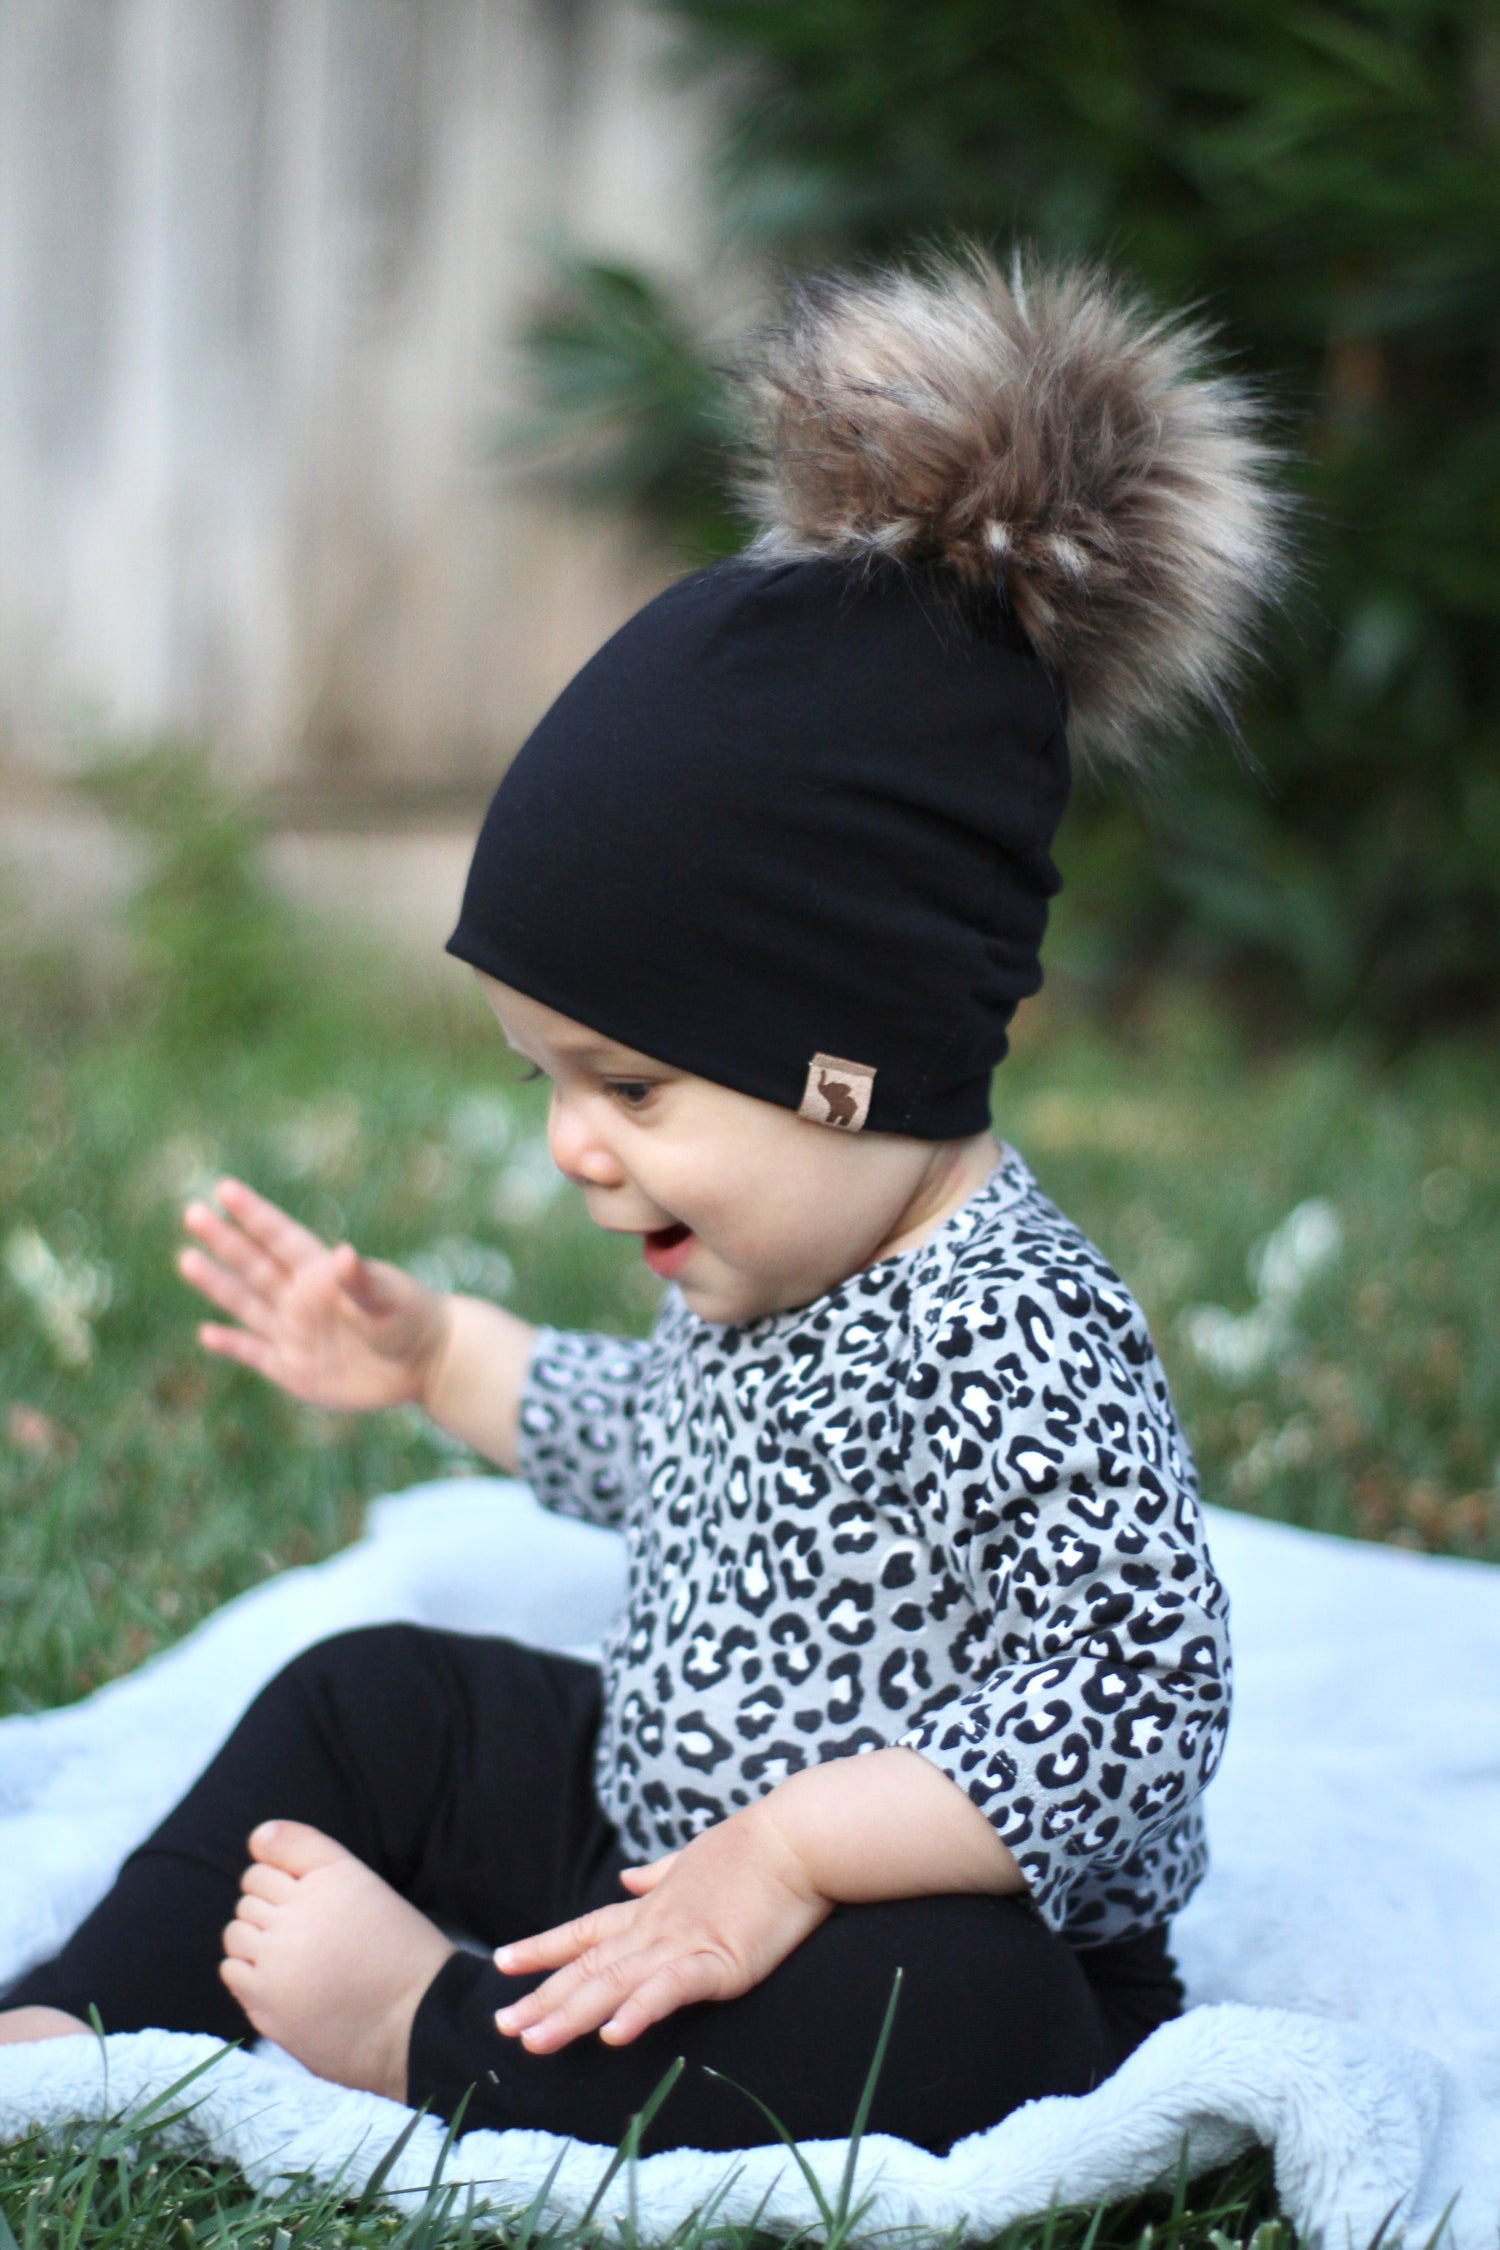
point(459, 1769)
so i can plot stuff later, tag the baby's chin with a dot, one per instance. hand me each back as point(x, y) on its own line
point(724, 1303)
point(732, 1297)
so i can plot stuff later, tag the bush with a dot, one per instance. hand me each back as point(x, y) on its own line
point(1322, 182)
point(217, 954)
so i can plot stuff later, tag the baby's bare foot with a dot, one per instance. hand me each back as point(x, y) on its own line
point(18, 2025)
point(328, 1960)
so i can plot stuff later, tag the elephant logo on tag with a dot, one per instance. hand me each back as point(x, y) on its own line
point(837, 1092)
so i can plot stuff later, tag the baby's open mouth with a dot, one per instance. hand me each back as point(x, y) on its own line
point(667, 1249)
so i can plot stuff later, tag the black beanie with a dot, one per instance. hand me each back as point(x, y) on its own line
point(790, 828)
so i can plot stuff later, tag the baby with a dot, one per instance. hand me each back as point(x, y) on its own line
point(923, 1665)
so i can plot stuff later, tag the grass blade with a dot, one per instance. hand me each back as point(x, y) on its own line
point(422, 2229)
point(814, 2185)
point(1431, 2243)
point(866, 2099)
point(1096, 2221)
point(531, 2217)
point(455, 2124)
point(1378, 2237)
point(147, 2114)
point(387, 2165)
point(634, 2133)
point(84, 2207)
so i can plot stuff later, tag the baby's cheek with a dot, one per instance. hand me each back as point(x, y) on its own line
point(766, 1246)
point(742, 1276)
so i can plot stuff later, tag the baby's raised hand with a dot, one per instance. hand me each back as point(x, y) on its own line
point(331, 1327)
point(707, 1923)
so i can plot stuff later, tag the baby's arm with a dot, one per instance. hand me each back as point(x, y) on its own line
point(887, 1824)
point(353, 1333)
point(715, 1918)
point(1098, 1696)
point(473, 1383)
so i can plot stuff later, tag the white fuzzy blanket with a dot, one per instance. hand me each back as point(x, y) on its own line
point(1343, 1956)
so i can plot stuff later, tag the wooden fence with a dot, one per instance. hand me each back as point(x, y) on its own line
point(259, 260)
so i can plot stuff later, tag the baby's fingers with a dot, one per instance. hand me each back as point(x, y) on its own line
point(278, 1234)
point(376, 1288)
point(640, 1880)
point(226, 1290)
point(577, 1999)
point(679, 1983)
point(233, 1249)
point(551, 1949)
point(619, 1999)
point(236, 1343)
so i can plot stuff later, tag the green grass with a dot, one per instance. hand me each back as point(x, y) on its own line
point(124, 2185)
point(142, 1484)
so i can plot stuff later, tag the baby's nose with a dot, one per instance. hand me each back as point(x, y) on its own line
point(579, 1153)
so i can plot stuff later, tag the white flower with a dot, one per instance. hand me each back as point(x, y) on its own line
point(526, 1187)
point(1305, 1244)
point(458, 1262)
point(481, 1126)
point(183, 1169)
point(318, 1140)
point(64, 1293)
point(1236, 1347)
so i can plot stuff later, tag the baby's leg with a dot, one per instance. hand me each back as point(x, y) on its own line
point(19, 2025)
point(452, 1767)
point(994, 2011)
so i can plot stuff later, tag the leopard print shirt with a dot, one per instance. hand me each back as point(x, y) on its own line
point(946, 1505)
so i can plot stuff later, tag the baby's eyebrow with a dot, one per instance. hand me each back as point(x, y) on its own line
point(609, 1061)
point(600, 1055)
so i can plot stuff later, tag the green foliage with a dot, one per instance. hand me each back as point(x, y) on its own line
point(1323, 181)
point(219, 954)
point(142, 1482)
point(1374, 1408)
point(631, 406)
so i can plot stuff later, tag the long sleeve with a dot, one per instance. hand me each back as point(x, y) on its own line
point(945, 1504)
point(578, 1422)
point(1045, 1454)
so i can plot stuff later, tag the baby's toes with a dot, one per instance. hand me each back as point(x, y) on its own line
point(242, 1983)
point(262, 1881)
point(294, 1847)
point(241, 1940)
point(260, 1913)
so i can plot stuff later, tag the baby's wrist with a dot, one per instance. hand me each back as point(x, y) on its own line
point(778, 1828)
point(793, 1823)
point(430, 1359)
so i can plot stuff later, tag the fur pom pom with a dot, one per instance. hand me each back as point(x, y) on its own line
point(1044, 436)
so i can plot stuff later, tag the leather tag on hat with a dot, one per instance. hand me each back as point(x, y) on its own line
point(837, 1092)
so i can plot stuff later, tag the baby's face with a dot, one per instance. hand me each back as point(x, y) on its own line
point(749, 1208)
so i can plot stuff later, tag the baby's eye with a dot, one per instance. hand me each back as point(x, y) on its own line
point(532, 1071)
point(631, 1091)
